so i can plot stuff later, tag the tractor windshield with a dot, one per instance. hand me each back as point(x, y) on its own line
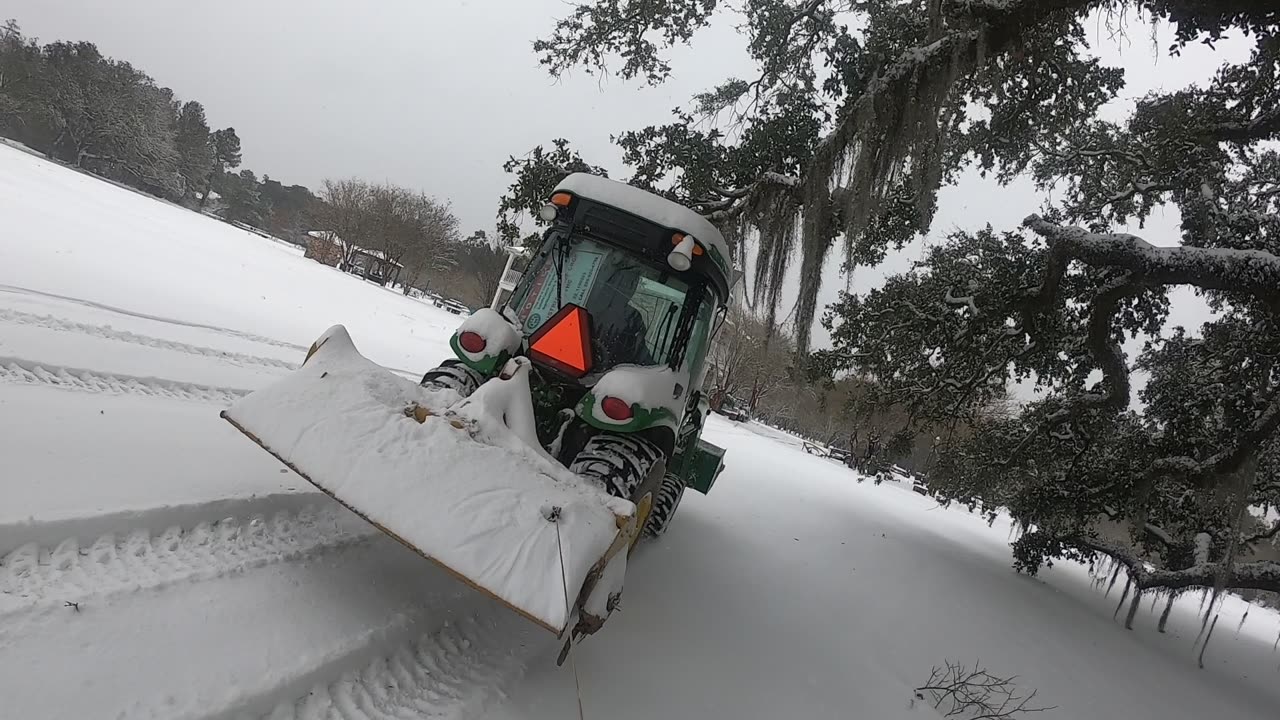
point(634, 307)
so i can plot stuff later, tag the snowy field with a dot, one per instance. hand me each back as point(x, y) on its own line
point(156, 564)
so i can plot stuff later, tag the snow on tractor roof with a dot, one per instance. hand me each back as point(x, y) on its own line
point(647, 205)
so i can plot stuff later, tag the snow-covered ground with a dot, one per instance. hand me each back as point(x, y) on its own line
point(156, 564)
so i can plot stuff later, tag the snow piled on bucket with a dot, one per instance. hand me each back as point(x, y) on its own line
point(469, 498)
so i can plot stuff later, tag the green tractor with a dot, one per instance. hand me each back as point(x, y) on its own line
point(566, 428)
point(616, 311)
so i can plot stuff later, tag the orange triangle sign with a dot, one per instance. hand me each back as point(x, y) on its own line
point(564, 341)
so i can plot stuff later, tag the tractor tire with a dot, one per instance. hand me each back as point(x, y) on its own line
point(626, 466)
point(454, 375)
point(618, 463)
point(665, 503)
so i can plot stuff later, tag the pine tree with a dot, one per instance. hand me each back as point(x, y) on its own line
point(226, 156)
point(195, 149)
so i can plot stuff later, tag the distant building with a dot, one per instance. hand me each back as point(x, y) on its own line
point(325, 247)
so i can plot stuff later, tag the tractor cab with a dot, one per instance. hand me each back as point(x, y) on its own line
point(645, 279)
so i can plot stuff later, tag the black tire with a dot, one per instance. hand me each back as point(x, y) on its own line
point(619, 463)
point(454, 375)
point(627, 466)
point(670, 492)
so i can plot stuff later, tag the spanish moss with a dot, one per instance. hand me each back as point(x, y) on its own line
point(1205, 646)
point(1164, 616)
point(1128, 583)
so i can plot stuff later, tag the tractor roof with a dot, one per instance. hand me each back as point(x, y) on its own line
point(649, 206)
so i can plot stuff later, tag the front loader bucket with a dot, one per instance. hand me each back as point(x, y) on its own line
point(454, 488)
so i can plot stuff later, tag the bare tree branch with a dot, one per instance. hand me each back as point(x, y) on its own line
point(976, 694)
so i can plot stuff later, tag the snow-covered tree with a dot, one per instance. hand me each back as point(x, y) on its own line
point(195, 148)
point(1053, 303)
point(226, 149)
point(856, 114)
point(536, 175)
point(242, 197)
point(94, 112)
point(861, 110)
point(70, 101)
point(22, 116)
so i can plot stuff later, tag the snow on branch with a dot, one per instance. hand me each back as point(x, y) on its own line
point(1264, 535)
point(1226, 461)
point(1259, 575)
point(1264, 127)
point(1114, 392)
point(962, 300)
point(733, 201)
point(1251, 271)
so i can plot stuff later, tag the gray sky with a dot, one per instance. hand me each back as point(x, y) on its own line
point(435, 95)
point(423, 93)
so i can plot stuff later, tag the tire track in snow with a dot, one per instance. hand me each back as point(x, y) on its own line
point(107, 332)
point(27, 372)
point(456, 672)
point(157, 318)
point(87, 526)
point(34, 577)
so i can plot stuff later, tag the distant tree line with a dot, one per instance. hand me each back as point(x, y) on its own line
point(102, 115)
point(74, 104)
point(68, 100)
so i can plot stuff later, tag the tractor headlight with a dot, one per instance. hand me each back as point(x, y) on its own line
point(681, 256)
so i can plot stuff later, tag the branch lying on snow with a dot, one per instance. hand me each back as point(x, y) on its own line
point(976, 693)
point(1260, 575)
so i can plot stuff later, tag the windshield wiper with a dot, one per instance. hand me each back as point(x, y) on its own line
point(664, 330)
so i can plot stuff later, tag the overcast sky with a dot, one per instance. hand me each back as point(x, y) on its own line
point(436, 95)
